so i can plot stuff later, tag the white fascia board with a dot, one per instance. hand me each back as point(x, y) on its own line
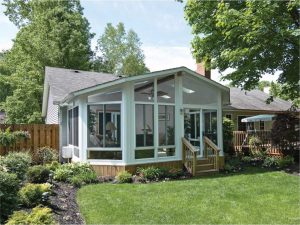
point(45, 99)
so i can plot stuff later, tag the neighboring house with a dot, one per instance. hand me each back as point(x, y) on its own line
point(2, 117)
point(250, 103)
point(117, 123)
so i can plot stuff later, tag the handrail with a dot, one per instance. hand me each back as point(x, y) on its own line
point(189, 156)
point(214, 159)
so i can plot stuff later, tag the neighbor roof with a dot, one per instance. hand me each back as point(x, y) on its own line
point(255, 100)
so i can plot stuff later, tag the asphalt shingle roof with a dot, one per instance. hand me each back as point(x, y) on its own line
point(65, 81)
point(255, 100)
point(62, 82)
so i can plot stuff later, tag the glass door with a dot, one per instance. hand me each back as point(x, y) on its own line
point(192, 128)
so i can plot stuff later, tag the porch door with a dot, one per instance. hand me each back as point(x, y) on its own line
point(192, 128)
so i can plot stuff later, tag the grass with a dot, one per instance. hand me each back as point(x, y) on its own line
point(256, 197)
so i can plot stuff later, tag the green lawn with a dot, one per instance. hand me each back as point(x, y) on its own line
point(253, 197)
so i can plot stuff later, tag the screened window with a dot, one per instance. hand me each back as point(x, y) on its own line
point(166, 89)
point(228, 116)
point(144, 91)
point(210, 125)
point(104, 125)
point(144, 124)
point(73, 126)
point(244, 126)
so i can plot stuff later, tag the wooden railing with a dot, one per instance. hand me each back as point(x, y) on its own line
point(241, 141)
point(189, 156)
point(211, 152)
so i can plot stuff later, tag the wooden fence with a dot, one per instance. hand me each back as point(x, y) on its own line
point(241, 141)
point(40, 135)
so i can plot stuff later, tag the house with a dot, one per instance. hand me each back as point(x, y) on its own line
point(166, 118)
point(251, 103)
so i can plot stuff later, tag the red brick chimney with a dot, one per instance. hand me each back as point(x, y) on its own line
point(203, 71)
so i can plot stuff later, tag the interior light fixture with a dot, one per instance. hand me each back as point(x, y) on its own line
point(165, 96)
point(188, 91)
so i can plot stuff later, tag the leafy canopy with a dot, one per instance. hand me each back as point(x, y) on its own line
point(120, 52)
point(52, 33)
point(252, 37)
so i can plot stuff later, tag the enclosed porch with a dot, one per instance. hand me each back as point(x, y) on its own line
point(146, 120)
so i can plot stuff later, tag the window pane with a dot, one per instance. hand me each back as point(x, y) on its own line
point(164, 152)
point(115, 155)
point(104, 125)
point(75, 124)
point(166, 125)
point(144, 91)
point(144, 154)
point(210, 125)
point(166, 89)
point(144, 125)
point(102, 97)
point(70, 126)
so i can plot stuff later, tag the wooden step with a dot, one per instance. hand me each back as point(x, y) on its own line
point(206, 172)
point(202, 161)
point(201, 167)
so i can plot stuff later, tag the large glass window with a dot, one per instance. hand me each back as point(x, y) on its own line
point(210, 125)
point(104, 125)
point(73, 126)
point(166, 89)
point(144, 130)
point(144, 91)
point(166, 128)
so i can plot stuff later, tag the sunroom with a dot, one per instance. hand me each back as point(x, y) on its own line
point(167, 118)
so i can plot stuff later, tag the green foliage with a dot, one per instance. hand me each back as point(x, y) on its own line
point(83, 172)
point(232, 164)
point(252, 37)
point(8, 138)
point(52, 33)
point(150, 173)
point(31, 194)
point(285, 161)
point(38, 174)
point(17, 163)
point(9, 184)
point(120, 52)
point(228, 127)
point(46, 155)
point(270, 162)
point(53, 166)
point(285, 133)
point(124, 177)
point(283, 91)
point(39, 215)
point(255, 144)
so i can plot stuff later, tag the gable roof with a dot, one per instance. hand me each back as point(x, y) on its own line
point(255, 100)
point(67, 83)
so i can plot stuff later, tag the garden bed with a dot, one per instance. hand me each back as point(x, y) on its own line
point(63, 203)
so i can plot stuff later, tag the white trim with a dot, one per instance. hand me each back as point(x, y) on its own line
point(105, 103)
point(192, 106)
point(144, 148)
point(108, 149)
point(155, 118)
point(144, 103)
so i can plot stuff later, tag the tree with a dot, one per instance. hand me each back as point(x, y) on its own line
point(120, 52)
point(52, 33)
point(252, 37)
point(279, 90)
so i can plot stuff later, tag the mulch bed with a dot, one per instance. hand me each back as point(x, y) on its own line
point(63, 203)
point(294, 169)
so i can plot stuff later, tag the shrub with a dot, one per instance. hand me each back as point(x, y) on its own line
point(124, 177)
point(247, 159)
point(285, 161)
point(31, 194)
point(270, 162)
point(150, 173)
point(39, 215)
point(174, 173)
point(228, 127)
point(38, 174)
point(83, 172)
point(53, 166)
point(45, 155)
point(232, 165)
point(9, 186)
point(16, 162)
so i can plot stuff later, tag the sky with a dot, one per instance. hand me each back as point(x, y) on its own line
point(160, 25)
